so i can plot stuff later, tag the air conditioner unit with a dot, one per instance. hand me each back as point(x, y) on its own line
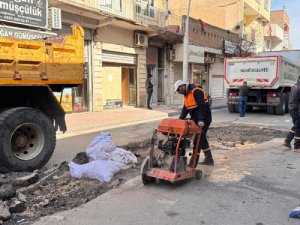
point(140, 39)
point(172, 54)
point(54, 18)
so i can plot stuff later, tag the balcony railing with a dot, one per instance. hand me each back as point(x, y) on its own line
point(139, 11)
point(266, 5)
point(118, 8)
point(274, 31)
point(150, 15)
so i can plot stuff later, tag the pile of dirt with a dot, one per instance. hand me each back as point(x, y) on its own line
point(24, 197)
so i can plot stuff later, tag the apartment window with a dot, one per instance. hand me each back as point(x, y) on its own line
point(146, 8)
point(113, 4)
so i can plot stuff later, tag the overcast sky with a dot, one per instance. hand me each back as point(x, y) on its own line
point(293, 10)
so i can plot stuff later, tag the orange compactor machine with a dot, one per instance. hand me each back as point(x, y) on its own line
point(167, 158)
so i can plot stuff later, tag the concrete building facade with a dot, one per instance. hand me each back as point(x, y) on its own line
point(208, 46)
point(124, 36)
point(277, 32)
point(248, 18)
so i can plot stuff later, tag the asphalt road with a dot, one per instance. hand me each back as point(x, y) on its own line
point(67, 148)
point(257, 186)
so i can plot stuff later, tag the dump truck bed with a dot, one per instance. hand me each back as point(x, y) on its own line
point(57, 61)
point(268, 72)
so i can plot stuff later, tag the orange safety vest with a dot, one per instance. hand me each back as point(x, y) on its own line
point(190, 101)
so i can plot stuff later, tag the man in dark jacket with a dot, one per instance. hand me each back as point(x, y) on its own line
point(294, 107)
point(243, 98)
point(196, 104)
point(149, 90)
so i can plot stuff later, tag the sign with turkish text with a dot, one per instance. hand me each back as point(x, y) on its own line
point(195, 53)
point(26, 12)
point(24, 33)
point(231, 48)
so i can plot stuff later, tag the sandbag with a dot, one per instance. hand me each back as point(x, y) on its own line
point(101, 147)
point(101, 170)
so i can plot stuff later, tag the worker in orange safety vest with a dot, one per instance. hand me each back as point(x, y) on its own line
point(196, 104)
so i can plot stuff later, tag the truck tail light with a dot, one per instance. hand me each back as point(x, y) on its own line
point(272, 95)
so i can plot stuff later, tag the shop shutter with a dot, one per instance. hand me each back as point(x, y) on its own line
point(116, 57)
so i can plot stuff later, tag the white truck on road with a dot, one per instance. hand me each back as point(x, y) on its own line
point(270, 77)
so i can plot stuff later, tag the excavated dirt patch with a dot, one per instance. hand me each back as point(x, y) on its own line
point(52, 190)
point(229, 137)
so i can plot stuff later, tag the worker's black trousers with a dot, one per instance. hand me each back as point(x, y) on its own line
point(295, 130)
point(203, 140)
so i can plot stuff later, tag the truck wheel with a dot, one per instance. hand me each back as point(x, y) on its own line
point(236, 108)
point(271, 109)
point(287, 99)
point(280, 109)
point(27, 139)
point(231, 108)
point(249, 108)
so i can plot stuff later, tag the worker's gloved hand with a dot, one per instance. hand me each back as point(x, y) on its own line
point(201, 124)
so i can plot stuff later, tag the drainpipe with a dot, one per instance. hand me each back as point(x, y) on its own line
point(186, 45)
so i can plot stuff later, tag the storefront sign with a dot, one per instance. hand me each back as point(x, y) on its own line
point(195, 53)
point(25, 12)
point(24, 33)
point(231, 48)
point(113, 103)
point(213, 50)
point(248, 46)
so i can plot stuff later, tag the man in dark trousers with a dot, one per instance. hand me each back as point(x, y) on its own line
point(196, 104)
point(243, 98)
point(294, 104)
point(149, 90)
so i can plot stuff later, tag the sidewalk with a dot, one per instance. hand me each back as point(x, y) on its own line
point(82, 123)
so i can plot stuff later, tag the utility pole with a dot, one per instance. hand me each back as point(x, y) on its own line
point(186, 45)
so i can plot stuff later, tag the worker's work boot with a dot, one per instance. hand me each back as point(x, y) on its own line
point(191, 161)
point(208, 160)
point(287, 144)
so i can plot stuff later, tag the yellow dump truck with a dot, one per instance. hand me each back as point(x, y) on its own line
point(30, 114)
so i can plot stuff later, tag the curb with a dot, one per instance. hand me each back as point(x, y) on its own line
point(102, 128)
point(176, 113)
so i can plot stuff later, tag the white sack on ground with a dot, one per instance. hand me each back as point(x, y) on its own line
point(101, 147)
point(105, 160)
point(102, 170)
point(122, 156)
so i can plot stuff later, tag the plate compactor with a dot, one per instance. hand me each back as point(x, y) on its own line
point(167, 159)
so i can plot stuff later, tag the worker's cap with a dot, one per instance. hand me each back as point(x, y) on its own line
point(178, 84)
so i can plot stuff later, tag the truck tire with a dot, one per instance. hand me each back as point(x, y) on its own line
point(287, 99)
point(231, 108)
point(249, 108)
point(280, 109)
point(271, 109)
point(27, 139)
point(236, 108)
